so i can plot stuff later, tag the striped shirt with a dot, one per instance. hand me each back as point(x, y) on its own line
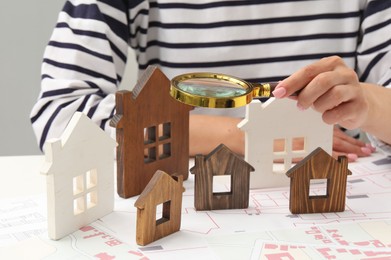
point(265, 40)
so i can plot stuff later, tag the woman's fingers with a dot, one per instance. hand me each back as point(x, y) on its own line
point(349, 146)
point(300, 79)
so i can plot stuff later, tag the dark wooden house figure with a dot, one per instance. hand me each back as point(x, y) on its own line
point(221, 162)
point(152, 132)
point(319, 171)
point(166, 191)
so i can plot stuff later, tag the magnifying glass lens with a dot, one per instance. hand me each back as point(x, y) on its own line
point(211, 88)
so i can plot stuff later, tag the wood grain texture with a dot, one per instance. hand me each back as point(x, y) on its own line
point(221, 161)
point(145, 110)
point(318, 165)
point(162, 189)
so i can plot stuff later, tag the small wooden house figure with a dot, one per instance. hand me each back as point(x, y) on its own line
point(278, 122)
point(79, 168)
point(152, 131)
point(318, 171)
point(221, 162)
point(165, 191)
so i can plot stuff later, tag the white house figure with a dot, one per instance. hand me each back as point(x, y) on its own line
point(79, 169)
point(280, 121)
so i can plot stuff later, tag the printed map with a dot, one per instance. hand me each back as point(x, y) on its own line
point(265, 230)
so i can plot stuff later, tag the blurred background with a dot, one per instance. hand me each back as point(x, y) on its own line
point(25, 30)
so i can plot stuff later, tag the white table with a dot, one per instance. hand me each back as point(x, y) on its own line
point(20, 176)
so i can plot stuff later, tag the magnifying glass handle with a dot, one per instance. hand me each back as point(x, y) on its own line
point(265, 90)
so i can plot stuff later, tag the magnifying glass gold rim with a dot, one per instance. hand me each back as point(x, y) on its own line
point(208, 101)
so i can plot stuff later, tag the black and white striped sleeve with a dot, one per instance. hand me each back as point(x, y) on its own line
point(374, 50)
point(82, 66)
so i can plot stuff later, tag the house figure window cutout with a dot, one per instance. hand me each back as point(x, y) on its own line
point(222, 184)
point(300, 132)
point(159, 208)
point(85, 191)
point(318, 168)
point(287, 151)
point(157, 148)
point(318, 188)
point(221, 162)
point(79, 191)
point(152, 131)
point(163, 212)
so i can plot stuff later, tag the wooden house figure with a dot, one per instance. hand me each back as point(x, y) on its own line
point(152, 131)
point(165, 191)
point(221, 162)
point(318, 171)
point(279, 121)
point(79, 169)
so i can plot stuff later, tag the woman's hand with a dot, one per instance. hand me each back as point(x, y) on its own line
point(348, 146)
point(331, 88)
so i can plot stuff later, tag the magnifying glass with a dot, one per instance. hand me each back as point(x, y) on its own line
point(213, 90)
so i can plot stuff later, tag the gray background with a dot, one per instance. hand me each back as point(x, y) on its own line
point(25, 30)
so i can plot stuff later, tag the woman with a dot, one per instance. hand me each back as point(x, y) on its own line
point(254, 40)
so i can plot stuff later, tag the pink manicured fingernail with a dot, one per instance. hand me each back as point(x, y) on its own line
point(279, 92)
point(373, 149)
point(352, 157)
point(366, 150)
point(300, 107)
